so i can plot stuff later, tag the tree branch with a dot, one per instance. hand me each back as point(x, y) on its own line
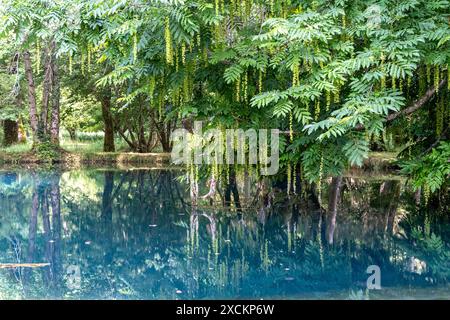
point(418, 103)
point(414, 107)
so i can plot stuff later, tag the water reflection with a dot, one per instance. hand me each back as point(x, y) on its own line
point(133, 234)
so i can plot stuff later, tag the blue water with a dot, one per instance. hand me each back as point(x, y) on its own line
point(100, 234)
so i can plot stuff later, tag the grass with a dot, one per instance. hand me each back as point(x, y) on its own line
point(16, 148)
point(79, 153)
point(86, 146)
point(92, 146)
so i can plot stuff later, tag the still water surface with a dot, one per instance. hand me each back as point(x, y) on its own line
point(97, 234)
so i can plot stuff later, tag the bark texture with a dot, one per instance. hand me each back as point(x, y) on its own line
point(31, 96)
point(108, 140)
point(56, 95)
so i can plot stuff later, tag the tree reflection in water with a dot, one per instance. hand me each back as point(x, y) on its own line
point(134, 234)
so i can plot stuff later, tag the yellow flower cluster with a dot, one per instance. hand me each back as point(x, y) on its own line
point(168, 41)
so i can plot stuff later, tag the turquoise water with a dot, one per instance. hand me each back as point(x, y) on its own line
point(97, 234)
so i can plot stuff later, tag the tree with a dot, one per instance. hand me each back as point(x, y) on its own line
point(35, 25)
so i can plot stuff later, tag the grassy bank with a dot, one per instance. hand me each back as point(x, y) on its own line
point(87, 150)
point(78, 154)
point(76, 159)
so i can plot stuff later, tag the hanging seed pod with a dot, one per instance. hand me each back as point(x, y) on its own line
point(38, 57)
point(238, 90)
point(260, 80)
point(239, 9)
point(440, 116)
point(245, 87)
point(428, 70)
point(151, 87)
point(70, 64)
point(168, 41)
point(177, 65)
point(410, 139)
point(89, 59)
point(205, 56)
point(174, 97)
point(436, 78)
point(336, 97)
point(426, 193)
point(328, 98)
point(400, 84)
point(448, 77)
point(160, 106)
point(319, 182)
point(295, 74)
point(217, 7)
point(183, 54)
point(248, 8)
point(291, 125)
point(383, 83)
point(271, 8)
point(232, 9)
point(198, 40)
point(217, 36)
point(317, 110)
point(186, 88)
point(191, 86)
point(82, 63)
point(135, 47)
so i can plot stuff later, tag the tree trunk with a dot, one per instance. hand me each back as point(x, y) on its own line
point(31, 96)
point(164, 136)
point(72, 134)
point(416, 105)
point(108, 140)
point(56, 94)
point(46, 91)
point(10, 132)
point(231, 189)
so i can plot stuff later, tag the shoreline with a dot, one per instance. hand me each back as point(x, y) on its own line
point(73, 160)
point(377, 161)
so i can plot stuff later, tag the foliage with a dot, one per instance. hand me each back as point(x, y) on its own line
point(47, 152)
point(431, 171)
point(327, 73)
point(79, 115)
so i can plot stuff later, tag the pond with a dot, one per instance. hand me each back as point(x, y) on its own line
point(132, 234)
